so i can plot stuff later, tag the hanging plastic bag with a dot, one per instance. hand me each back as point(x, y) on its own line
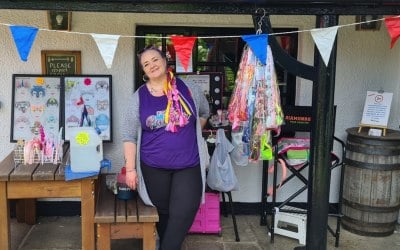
point(203, 152)
point(256, 101)
point(239, 154)
point(221, 175)
point(238, 107)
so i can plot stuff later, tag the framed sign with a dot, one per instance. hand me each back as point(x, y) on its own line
point(87, 103)
point(60, 62)
point(59, 20)
point(35, 103)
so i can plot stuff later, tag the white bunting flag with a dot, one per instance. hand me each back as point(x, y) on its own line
point(324, 39)
point(107, 45)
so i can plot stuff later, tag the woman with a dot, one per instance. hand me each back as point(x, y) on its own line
point(161, 134)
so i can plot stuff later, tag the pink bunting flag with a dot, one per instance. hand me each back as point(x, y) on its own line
point(393, 27)
point(183, 47)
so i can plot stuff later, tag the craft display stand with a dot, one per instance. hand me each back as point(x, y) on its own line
point(36, 156)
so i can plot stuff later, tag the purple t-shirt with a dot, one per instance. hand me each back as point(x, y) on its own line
point(164, 149)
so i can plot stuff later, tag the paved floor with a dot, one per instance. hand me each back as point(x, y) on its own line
point(58, 233)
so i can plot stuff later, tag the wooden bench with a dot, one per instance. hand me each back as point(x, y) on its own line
point(120, 219)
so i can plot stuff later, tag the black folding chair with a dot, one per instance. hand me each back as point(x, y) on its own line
point(298, 119)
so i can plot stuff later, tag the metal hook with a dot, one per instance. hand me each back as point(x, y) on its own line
point(259, 30)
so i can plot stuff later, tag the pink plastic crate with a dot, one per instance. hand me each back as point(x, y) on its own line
point(208, 219)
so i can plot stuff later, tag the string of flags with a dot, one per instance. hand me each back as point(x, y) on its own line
point(24, 37)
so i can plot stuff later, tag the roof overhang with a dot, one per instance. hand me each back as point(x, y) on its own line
point(272, 7)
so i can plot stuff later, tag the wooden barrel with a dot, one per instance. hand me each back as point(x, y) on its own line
point(371, 186)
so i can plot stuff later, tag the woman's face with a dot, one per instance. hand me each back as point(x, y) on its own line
point(153, 64)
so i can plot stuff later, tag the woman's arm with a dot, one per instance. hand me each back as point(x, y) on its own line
point(203, 122)
point(130, 164)
point(129, 129)
point(130, 156)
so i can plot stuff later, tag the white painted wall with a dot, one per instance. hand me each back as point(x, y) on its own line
point(364, 62)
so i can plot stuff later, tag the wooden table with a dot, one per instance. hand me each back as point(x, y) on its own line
point(44, 181)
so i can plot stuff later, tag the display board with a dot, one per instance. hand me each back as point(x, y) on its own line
point(52, 102)
point(88, 104)
point(211, 83)
point(36, 102)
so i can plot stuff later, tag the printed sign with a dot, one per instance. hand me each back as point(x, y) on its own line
point(377, 109)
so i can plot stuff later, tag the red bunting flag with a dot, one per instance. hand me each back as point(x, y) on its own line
point(183, 48)
point(393, 27)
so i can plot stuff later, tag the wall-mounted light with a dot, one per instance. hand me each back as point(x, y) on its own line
point(59, 20)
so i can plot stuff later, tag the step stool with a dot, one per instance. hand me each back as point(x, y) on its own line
point(293, 225)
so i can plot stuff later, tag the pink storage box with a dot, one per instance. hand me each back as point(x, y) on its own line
point(208, 219)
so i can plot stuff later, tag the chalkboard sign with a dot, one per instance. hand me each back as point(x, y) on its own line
point(58, 62)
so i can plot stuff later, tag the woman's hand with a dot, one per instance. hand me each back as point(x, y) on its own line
point(131, 179)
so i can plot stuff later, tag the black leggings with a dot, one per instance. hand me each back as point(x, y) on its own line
point(176, 195)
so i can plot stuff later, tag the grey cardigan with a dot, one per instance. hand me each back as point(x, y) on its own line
point(131, 132)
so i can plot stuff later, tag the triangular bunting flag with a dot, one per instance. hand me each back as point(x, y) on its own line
point(258, 44)
point(107, 45)
point(324, 39)
point(393, 27)
point(23, 38)
point(183, 47)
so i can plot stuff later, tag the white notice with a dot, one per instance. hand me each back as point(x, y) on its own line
point(377, 109)
point(201, 80)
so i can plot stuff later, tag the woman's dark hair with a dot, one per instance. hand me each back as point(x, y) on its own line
point(150, 47)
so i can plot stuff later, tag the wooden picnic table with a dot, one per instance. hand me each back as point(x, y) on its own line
point(46, 180)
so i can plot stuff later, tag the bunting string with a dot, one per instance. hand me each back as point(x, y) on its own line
point(205, 37)
point(324, 38)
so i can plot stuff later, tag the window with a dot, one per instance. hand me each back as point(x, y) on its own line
point(216, 54)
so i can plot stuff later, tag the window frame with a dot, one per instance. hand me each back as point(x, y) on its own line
point(287, 89)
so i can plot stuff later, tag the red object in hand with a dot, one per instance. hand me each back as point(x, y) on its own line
point(124, 192)
point(121, 175)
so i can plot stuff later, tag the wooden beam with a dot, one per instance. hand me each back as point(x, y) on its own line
point(319, 177)
point(240, 7)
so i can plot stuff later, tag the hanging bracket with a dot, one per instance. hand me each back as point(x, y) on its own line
point(260, 22)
